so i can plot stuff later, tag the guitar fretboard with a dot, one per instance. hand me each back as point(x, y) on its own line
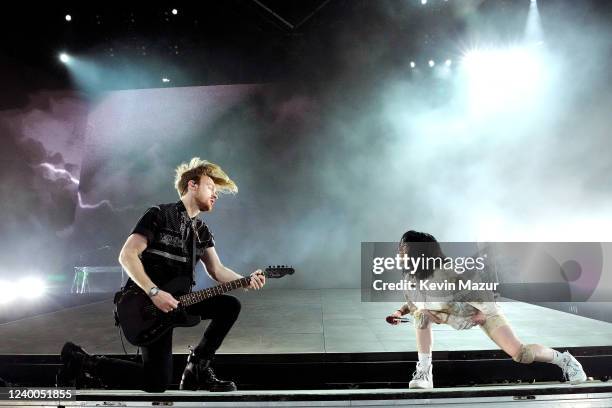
point(196, 297)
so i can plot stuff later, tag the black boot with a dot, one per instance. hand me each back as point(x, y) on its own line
point(78, 367)
point(198, 375)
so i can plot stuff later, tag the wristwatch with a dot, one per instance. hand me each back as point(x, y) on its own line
point(153, 291)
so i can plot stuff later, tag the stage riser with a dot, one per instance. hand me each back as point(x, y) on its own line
point(359, 370)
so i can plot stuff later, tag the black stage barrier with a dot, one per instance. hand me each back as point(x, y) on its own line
point(344, 370)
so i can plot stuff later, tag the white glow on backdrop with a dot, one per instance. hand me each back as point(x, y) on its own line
point(502, 78)
point(511, 155)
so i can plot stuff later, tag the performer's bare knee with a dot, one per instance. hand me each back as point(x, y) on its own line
point(526, 354)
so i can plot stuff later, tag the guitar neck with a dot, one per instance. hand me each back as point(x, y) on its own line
point(200, 295)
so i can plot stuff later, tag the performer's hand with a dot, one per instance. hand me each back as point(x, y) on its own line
point(258, 280)
point(165, 301)
point(479, 318)
point(391, 319)
point(432, 317)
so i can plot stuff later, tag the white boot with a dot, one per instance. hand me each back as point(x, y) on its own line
point(572, 369)
point(422, 378)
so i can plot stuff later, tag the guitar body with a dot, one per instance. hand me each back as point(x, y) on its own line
point(142, 322)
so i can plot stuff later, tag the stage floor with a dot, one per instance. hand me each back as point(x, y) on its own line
point(301, 321)
point(592, 394)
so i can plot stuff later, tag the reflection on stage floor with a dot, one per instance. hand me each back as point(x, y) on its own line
point(301, 321)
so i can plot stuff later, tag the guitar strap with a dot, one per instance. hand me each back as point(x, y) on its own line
point(194, 234)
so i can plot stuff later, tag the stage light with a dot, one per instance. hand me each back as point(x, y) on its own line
point(174, 11)
point(30, 288)
point(8, 292)
point(65, 58)
point(500, 78)
point(432, 63)
point(448, 62)
point(165, 80)
point(412, 64)
point(68, 17)
point(423, 2)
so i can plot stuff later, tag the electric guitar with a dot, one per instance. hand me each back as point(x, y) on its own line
point(143, 323)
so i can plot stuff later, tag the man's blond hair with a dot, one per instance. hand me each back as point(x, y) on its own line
point(195, 169)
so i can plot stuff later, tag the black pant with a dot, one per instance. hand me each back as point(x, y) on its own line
point(155, 374)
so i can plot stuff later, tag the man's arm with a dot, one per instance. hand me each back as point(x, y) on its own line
point(221, 273)
point(130, 260)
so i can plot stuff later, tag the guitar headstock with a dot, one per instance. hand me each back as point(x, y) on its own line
point(278, 271)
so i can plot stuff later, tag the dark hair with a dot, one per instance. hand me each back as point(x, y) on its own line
point(424, 245)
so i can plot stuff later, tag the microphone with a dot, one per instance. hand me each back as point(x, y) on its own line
point(393, 319)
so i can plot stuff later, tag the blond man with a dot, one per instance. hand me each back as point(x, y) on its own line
point(159, 249)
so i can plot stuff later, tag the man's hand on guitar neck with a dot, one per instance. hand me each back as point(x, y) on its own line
point(258, 280)
point(164, 301)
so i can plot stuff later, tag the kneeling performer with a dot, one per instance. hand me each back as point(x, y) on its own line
point(161, 248)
